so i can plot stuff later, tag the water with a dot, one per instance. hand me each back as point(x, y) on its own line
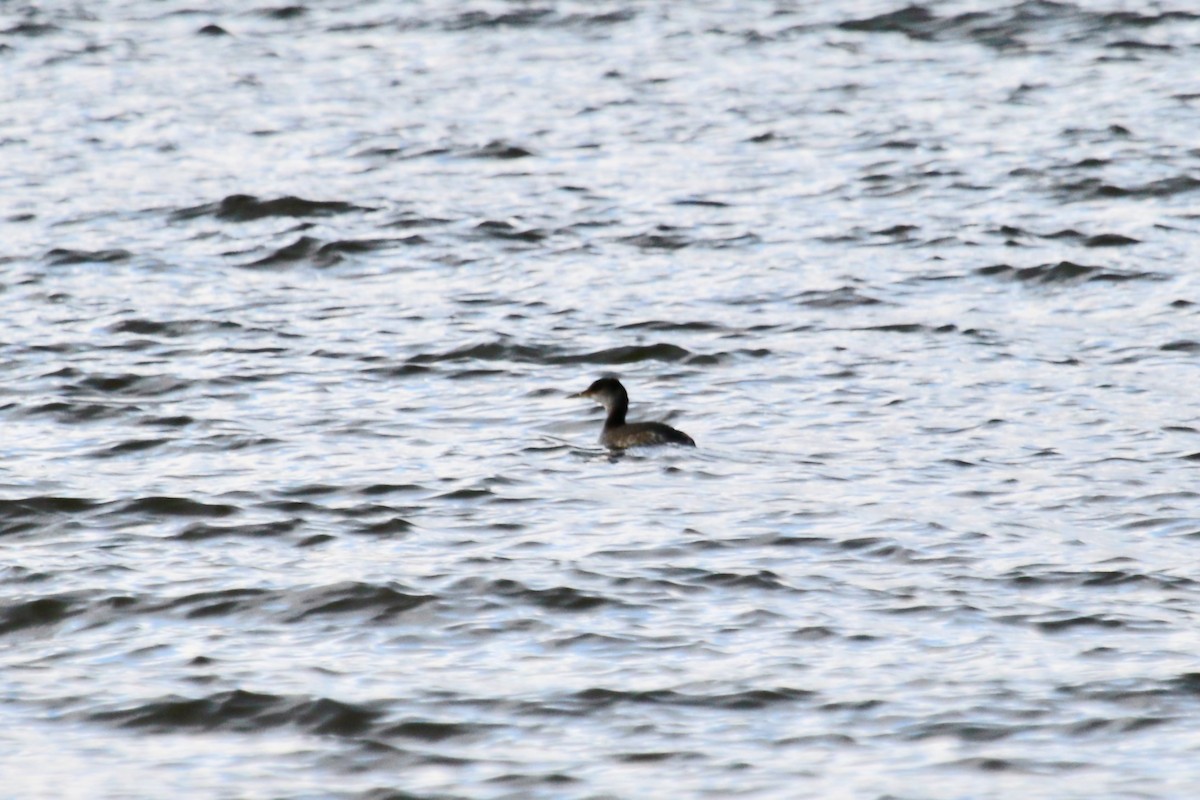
point(293, 503)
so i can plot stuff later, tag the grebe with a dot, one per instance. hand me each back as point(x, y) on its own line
point(619, 434)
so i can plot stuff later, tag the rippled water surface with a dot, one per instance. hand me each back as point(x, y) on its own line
point(294, 504)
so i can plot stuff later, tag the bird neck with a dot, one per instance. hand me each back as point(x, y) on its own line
point(617, 411)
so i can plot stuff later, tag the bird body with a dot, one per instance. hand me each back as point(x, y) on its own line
point(618, 434)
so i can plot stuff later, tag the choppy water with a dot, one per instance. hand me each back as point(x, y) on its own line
point(292, 501)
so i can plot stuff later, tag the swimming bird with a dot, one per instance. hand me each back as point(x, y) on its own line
point(619, 434)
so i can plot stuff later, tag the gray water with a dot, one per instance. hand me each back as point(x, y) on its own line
point(294, 504)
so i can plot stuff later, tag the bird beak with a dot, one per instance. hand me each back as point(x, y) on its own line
point(584, 393)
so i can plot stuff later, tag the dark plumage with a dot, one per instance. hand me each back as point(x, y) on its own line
point(619, 434)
